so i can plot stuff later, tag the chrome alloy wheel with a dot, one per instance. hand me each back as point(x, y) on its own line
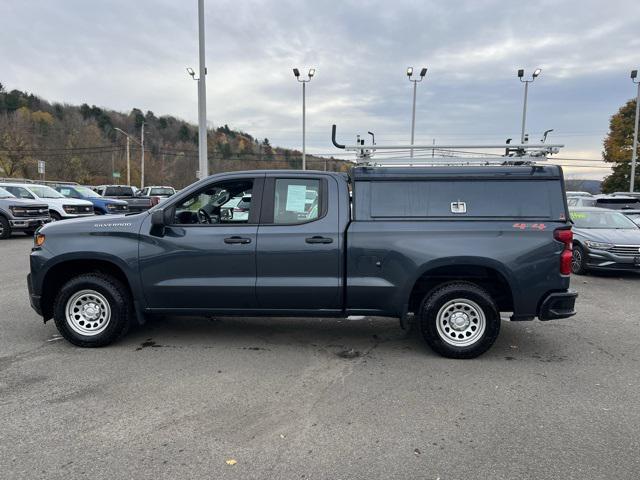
point(461, 322)
point(88, 312)
point(576, 260)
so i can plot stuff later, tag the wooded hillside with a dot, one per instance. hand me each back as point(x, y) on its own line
point(81, 143)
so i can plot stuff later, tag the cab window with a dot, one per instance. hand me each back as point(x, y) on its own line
point(297, 200)
point(220, 203)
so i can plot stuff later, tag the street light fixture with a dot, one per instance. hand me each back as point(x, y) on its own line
point(535, 75)
point(415, 81)
point(634, 155)
point(310, 74)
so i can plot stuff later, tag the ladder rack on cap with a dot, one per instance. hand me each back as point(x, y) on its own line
point(515, 154)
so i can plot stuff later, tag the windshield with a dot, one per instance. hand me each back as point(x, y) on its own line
point(45, 192)
point(5, 194)
point(162, 191)
point(602, 220)
point(86, 192)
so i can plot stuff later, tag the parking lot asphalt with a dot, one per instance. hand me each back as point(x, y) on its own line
point(316, 398)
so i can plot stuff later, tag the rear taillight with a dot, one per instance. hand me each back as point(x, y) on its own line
point(565, 235)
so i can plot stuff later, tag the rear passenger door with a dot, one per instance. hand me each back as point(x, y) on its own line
point(298, 252)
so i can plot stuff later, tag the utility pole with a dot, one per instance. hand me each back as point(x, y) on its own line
point(415, 81)
point(129, 152)
point(128, 163)
point(526, 93)
point(142, 157)
point(634, 154)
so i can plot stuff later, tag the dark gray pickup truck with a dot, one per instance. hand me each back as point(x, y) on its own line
point(451, 249)
point(135, 203)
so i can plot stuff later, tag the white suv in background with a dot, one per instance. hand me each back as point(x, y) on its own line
point(60, 207)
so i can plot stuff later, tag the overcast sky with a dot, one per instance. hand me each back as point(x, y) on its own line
point(122, 54)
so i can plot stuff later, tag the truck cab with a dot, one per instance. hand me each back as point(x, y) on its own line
point(451, 249)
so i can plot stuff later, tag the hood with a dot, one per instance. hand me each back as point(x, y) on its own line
point(96, 224)
point(610, 235)
point(73, 201)
point(25, 202)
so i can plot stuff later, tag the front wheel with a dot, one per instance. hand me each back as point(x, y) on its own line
point(55, 216)
point(5, 228)
point(459, 320)
point(92, 310)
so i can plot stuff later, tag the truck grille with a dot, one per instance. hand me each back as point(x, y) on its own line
point(626, 250)
point(31, 212)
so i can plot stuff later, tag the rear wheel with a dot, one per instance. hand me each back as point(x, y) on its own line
point(579, 261)
point(5, 228)
point(92, 310)
point(459, 320)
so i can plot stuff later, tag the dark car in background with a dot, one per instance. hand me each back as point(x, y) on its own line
point(604, 240)
point(135, 202)
point(101, 205)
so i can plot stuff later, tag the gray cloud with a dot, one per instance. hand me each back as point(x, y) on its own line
point(123, 54)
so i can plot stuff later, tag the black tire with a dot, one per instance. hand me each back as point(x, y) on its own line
point(5, 228)
point(454, 297)
point(579, 261)
point(119, 302)
point(29, 233)
point(55, 216)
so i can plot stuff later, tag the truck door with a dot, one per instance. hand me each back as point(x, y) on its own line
point(206, 259)
point(299, 252)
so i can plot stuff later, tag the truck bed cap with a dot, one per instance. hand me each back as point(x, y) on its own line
point(454, 171)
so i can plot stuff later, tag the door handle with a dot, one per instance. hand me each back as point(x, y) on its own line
point(319, 239)
point(237, 240)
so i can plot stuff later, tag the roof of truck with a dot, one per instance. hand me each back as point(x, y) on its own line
point(458, 171)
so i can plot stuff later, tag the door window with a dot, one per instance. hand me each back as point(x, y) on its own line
point(297, 200)
point(220, 203)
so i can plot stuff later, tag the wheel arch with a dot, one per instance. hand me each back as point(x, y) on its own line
point(484, 272)
point(61, 272)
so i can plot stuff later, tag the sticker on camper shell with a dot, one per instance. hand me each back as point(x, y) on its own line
point(530, 226)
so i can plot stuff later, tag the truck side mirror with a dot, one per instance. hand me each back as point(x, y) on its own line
point(158, 218)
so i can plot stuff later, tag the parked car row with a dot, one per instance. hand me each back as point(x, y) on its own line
point(25, 206)
point(606, 231)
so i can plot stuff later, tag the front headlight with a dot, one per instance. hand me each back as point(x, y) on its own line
point(111, 206)
point(18, 211)
point(598, 245)
point(70, 208)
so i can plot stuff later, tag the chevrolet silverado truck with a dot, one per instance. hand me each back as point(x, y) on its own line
point(20, 215)
point(449, 249)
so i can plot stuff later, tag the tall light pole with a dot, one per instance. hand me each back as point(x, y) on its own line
point(296, 72)
point(634, 155)
point(415, 81)
point(203, 164)
point(526, 92)
point(129, 137)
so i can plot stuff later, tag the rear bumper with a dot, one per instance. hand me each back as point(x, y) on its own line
point(558, 305)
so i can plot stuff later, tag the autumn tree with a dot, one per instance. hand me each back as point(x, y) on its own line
point(618, 147)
